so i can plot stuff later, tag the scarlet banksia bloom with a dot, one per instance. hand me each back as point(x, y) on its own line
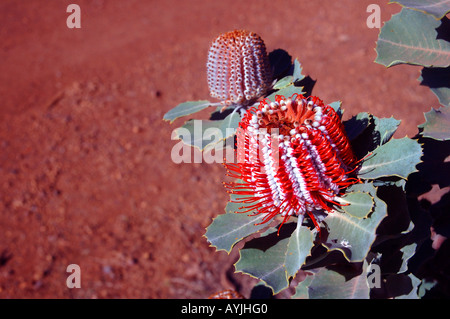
point(238, 69)
point(294, 158)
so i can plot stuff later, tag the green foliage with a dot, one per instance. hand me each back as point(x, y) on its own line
point(267, 265)
point(275, 258)
point(229, 228)
point(330, 284)
point(358, 204)
point(186, 108)
point(408, 251)
point(398, 157)
point(386, 128)
point(438, 8)
point(418, 35)
point(411, 37)
point(437, 124)
point(210, 132)
point(299, 246)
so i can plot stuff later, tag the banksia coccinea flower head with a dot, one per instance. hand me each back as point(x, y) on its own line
point(238, 67)
point(294, 158)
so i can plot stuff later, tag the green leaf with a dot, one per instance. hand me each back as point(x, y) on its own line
point(407, 251)
point(267, 265)
point(410, 37)
point(425, 286)
point(287, 91)
point(437, 124)
point(302, 289)
point(337, 107)
point(386, 128)
point(438, 8)
point(275, 258)
point(438, 80)
point(297, 73)
point(351, 235)
point(299, 247)
point(329, 284)
point(397, 183)
point(186, 108)
point(229, 228)
point(286, 86)
point(359, 204)
point(284, 82)
point(398, 157)
point(200, 133)
point(207, 133)
point(231, 122)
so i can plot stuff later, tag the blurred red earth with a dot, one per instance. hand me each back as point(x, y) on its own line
point(86, 175)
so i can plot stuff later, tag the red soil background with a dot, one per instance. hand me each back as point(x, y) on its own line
point(86, 175)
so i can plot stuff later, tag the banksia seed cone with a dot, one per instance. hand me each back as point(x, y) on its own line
point(238, 67)
point(294, 157)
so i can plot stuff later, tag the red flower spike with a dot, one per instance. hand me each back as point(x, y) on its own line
point(294, 157)
point(238, 68)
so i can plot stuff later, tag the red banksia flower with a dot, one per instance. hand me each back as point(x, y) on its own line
point(238, 69)
point(294, 158)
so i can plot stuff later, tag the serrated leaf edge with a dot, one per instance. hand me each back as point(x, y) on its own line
point(353, 192)
point(238, 240)
point(397, 175)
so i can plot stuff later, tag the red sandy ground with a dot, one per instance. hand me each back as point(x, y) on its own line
point(85, 170)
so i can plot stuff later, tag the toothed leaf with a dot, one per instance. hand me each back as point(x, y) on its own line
point(287, 91)
point(411, 37)
point(229, 228)
point(359, 204)
point(398, 157)
point(267, 265)
point(386, 128)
